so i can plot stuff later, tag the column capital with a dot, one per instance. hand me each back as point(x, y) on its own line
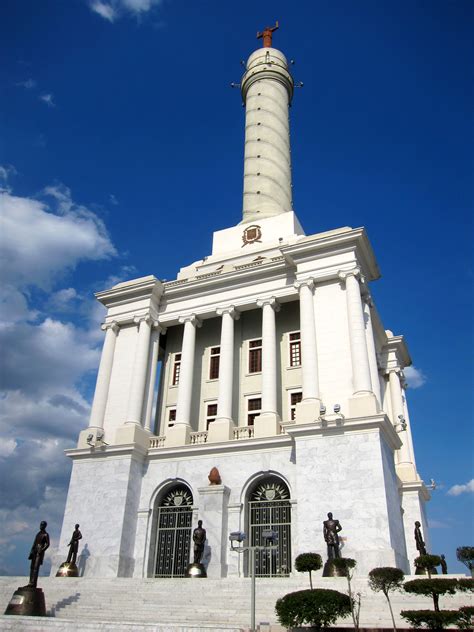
point(304, 283)
point(157, 326)
point(114, 326)
point(355, 272)
point(228, 309)
point(142, 318)
point(190, 318)
point(271, 300)
point(394, 369)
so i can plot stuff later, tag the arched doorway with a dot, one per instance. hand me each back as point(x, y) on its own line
point(269, 507)
point(173, 531)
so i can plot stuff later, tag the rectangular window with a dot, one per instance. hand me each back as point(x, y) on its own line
point(176, 369)
point(211, 414)
point(255, 356)
point(214, 363)
point(295, 398)
point(171, 417)
point(295, 348)
point(254, 408)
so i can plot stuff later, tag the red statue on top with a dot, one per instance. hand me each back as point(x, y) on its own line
point(266, 34)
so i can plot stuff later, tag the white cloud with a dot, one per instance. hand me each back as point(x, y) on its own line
point(29, 84)
point(6, 171)
point(39, 245)
point(112, 199)
point(467, 488)
point(48, 99)
point(414, 377)
point(112, 9)
point(46, 363)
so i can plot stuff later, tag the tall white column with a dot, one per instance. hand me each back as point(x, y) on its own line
point(269, 355)
point(308, 410)
point(103, 376)
point(361, 380)
point(372, 353)
point(140, 368)
point(151, 374)
point(309, 349)
point(226, 363)
point(405, 466)
point(185, 387)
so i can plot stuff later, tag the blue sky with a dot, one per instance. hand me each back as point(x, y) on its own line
point(121, 151)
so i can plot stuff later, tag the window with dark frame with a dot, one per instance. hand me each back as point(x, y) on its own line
point(295, 348)
point(295, 398)
point(176, 369)
point(211, 414)
point(254, 407)
point(171, 417)
point(214, 363)
point(255, 356)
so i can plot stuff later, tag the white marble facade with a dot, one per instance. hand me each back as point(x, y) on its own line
point(344, 445)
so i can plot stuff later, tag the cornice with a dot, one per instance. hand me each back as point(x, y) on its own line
point(133, 450)
point(224, 447)
point(415, 486)
point(355, 425)
point(123, 293)
point(355, 239)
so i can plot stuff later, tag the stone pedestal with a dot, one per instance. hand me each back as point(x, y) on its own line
point(177, 435)
point(27, 602)
point(68, 569)
point(266, 425)
point(307, 412)
point(131, 433)
point(220, 430)
point(330, 570)
point(363, 405)
point(213, 512)
point(196, 571)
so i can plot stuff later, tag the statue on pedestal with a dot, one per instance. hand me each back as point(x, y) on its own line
point(69, 568)
point(29, 600)
point(196, 569)
point(420, 545)
point(331, 530)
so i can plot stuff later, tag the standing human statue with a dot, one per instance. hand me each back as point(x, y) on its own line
point(331, 529)
point(199, 538)
point(74, 545)
point(444, 565)
point(420, 544)
point(40, 544)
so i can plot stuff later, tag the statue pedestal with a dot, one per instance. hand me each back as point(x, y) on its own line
point(27, 602)
point(330, 570)
point(423, 571)
point(196, 570)
point(68, 569)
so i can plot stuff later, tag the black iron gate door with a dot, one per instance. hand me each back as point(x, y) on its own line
point(173, 540)
point(270, 508)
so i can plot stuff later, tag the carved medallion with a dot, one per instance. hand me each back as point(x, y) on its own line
point(251, 235)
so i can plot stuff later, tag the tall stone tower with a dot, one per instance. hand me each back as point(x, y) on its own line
point(274, 368)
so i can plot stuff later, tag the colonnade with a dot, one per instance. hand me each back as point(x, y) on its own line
point(363, 357)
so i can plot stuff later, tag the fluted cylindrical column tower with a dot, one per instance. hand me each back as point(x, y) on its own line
point(103, 377)
point(267, 90)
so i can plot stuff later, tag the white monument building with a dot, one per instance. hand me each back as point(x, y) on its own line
point(271, 364)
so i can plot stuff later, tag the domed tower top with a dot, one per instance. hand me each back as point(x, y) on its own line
point(267, 89)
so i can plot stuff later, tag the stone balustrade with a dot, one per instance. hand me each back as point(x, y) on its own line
point(243, 432)
point(198, 437)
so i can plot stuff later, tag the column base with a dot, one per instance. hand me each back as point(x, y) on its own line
point(363, 405)
point(406, 472)
point(222, 429)
point(308, 412)
point(177, 435)
point(132, 433)
point(267, 425)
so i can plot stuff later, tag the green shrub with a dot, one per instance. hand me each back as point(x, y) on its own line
point(343, 565)
point(432, 588)
point(319, 608)
point(466, 585)
point(431, 619)
point(428, 563)
point(466, 618)
point(465, 554)
point(308, 562)
point(386, 579)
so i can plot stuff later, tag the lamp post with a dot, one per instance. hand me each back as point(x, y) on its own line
point(240, 536)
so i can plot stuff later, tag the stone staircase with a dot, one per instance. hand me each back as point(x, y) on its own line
point(188, 605)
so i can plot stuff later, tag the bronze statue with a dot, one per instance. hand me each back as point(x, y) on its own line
point(40, 544)
point(420, 545)
point(74, 545)
point(444, 566)
point(199, 538)
point(331, 529)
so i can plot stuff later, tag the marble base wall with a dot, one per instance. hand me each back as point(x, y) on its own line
point(103, 498)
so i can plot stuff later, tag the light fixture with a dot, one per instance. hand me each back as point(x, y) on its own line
point(322, 409)
point(237, 536)
point(89, 439)
point(337, 408)
point(270, 535)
